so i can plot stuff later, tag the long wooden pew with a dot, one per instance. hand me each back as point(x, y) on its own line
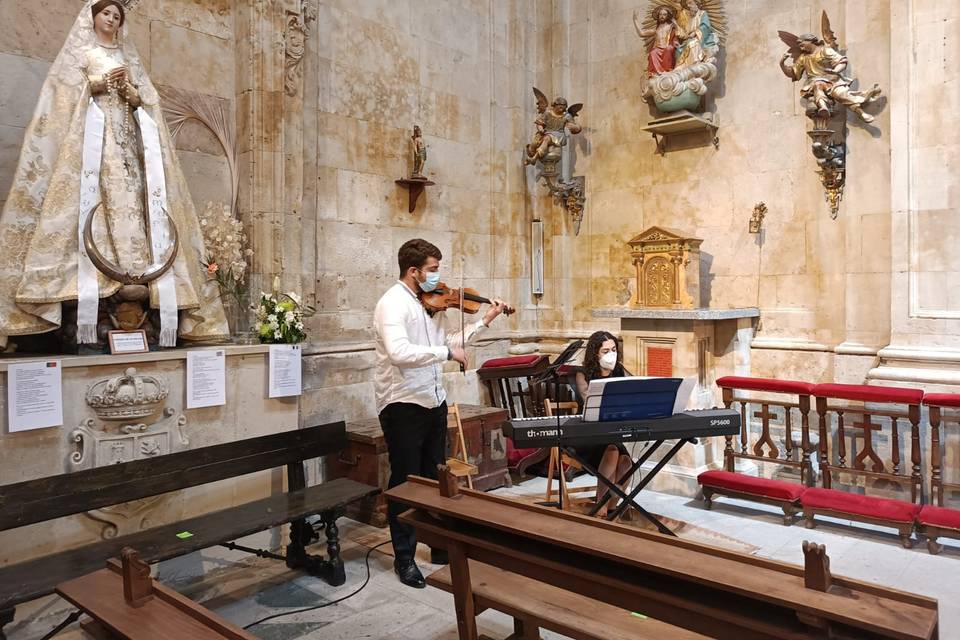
point(717, 593)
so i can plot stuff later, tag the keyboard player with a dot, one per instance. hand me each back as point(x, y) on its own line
point(602, 359)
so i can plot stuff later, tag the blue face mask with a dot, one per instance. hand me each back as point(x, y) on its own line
point(433, 279)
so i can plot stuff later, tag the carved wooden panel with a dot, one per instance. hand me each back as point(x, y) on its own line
point(658, 283)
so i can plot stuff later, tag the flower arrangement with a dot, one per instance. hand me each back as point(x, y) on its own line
point(225, 241)
point(280, 318)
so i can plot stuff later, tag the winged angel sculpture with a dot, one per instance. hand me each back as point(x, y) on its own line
point(554, 123)
point(823, 66)
point(820, 65)
point(682, 39)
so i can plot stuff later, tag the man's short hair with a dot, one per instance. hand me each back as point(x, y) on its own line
point(414, 253)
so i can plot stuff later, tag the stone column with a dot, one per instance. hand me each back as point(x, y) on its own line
point(261, 28)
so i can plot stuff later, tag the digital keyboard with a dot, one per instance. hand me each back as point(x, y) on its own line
point(574, 432)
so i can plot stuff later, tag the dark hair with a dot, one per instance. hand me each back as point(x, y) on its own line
point(591, 356)
point(103, 4)
point(414, 253)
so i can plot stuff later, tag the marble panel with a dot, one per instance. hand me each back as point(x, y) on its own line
point(207, 176)
point(211, 67)
point(36, 30)
point(20, 85)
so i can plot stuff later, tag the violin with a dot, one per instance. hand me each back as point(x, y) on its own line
point(444, 297)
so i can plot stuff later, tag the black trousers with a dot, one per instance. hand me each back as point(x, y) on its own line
point(416, 443)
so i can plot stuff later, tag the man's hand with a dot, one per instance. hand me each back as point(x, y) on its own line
point(457, 354)
point(497, 307)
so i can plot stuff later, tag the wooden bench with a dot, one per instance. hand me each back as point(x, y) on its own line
point(52, 497)
point(125, 603)
point(536, 605)
point(702, 589)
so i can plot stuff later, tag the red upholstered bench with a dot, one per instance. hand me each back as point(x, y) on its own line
point(785, 495)
point(867, 423)
point(884, 512)
point(937, 521)
point(766, 447)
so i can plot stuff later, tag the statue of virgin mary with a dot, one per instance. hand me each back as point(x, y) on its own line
point(98, 154)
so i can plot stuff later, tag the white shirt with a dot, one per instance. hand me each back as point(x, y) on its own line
point(411, 349)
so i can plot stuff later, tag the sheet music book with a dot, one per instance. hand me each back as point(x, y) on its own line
point(636, 397)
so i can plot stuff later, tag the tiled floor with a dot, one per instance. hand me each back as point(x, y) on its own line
point(245, 589)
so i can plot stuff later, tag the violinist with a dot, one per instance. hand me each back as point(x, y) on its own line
point(412, 345)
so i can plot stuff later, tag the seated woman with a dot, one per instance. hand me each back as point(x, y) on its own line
point(602, 360)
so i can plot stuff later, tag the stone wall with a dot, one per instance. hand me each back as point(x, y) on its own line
point(326, 92)
point(833, 293)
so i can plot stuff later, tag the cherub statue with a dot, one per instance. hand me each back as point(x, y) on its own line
point(823, 65)
point(553, 124)
point(682, 39)
point(419, 153)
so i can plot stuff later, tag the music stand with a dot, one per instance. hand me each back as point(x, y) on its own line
point(552, 374)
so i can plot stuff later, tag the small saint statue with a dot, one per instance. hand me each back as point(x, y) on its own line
point(419, 154)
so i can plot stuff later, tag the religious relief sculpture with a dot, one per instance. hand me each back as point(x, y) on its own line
point(99, 219)
point(555, 123)
point(295, 45)
point(683, 39)
point(820, 65)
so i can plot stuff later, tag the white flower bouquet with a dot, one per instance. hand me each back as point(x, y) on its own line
point(280, 318)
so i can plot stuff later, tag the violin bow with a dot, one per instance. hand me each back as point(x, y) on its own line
point(463, 341)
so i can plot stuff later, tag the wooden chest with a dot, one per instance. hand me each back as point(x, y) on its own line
point(365, 458)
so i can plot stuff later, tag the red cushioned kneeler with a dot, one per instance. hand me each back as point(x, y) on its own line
point(852, 506)
point(765, 384)
point(513, 361)
point(938, 522)
point(869, 393)
point(785, 495)
point(942, 399)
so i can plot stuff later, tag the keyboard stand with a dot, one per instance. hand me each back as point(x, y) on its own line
point(627, 501)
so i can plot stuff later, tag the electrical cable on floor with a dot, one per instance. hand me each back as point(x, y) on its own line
point(63, 625)
point(366, 580)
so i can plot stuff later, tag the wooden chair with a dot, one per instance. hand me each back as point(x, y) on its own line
point(560, 461)
point(459, 463)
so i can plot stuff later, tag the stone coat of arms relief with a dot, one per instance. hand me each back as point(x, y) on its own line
point(131, 424)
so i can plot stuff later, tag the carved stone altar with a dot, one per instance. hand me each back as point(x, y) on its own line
point(122, 408)
point(668, 269)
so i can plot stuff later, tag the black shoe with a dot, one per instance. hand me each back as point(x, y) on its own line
point(439, 556)
point(409, 574)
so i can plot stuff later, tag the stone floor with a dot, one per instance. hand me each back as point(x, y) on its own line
point(245, 589)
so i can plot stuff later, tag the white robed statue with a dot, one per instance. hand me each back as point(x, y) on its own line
point(98, 154)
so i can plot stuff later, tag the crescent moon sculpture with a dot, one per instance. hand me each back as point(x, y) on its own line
point(114, 272)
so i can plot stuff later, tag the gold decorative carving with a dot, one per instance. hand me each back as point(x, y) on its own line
point(667, 267)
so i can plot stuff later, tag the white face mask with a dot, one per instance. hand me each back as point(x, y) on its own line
point(608, 360)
